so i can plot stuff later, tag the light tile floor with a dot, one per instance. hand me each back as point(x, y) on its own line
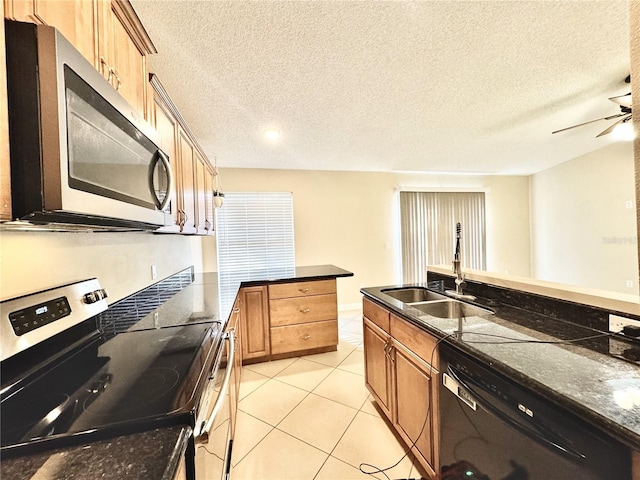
point(311, 418)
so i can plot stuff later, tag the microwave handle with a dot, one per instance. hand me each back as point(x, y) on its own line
point(167, 165)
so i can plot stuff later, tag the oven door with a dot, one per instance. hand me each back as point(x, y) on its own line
point(213, 433)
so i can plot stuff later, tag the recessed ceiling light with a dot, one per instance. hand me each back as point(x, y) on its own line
point(272, 134)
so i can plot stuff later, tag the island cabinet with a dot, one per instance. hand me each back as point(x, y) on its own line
point(191, 197)
point(108, 33)
point(288, 319)
point(401, 372)
point(303, 317)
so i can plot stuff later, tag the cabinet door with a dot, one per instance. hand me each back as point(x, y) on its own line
point(123, 46)
point(186, 180)
point(414, 410)
point(208, 200)
point(199, 184)
point(75, 19)
point(377, 364)
point(255, 323)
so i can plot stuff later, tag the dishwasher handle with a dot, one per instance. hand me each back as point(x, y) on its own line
point(547, 437)
point(203, 435)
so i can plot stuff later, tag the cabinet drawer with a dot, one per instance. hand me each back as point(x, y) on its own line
point(290, 311)
point(292, 338)
point(302, 289)
point(376, 314)
point(418, 341)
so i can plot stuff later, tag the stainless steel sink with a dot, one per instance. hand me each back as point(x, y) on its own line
point(451, 309)
point(413, 294)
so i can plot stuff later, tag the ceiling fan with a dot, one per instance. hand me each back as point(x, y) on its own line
point(624, 101)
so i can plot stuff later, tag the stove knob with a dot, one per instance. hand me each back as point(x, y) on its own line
point(95, 296)
point(90, 297)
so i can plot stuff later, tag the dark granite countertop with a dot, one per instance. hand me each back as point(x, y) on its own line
point(154, 454)
point(183, 298)
point(569, 364)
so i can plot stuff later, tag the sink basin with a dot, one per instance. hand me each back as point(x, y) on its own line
point(413, 294)
point(451, 309)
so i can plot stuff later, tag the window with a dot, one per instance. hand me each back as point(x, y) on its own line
point(428, 231)
point(254, 233)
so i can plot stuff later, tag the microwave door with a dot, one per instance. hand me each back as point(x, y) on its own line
point(112, 168)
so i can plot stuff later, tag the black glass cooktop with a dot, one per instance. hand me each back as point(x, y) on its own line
point(116, 383)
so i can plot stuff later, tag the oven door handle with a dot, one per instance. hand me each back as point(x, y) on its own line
point(547, 437)
point(203, 435)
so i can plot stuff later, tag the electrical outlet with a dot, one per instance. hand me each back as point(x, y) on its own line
point(154, 272)
point(629, 283)
point(617, 323)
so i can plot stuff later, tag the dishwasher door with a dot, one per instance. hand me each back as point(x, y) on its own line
point(494, 429)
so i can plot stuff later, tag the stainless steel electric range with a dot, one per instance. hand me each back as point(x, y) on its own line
point(73, 371)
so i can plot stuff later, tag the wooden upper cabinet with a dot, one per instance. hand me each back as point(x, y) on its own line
point(192, 172)
point(208, 200)
point(200, 197)
point(187, 177)
point(123, 49)
point(76, 20)
point(109, 35)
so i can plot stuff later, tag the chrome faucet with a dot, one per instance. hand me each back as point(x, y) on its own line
point(457, 269)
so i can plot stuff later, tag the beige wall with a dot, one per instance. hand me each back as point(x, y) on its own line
point(348, 219)
point(583, 221)
point(32, 261)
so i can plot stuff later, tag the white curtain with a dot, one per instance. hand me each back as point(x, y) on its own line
point(428, 231)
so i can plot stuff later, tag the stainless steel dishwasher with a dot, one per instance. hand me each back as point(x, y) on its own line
point(495, 429)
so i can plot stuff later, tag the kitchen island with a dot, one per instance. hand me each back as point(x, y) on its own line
point(560, 350)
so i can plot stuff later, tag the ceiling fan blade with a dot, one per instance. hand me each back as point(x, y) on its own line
point(624, 100)
point(591, 121)
point(613, 125)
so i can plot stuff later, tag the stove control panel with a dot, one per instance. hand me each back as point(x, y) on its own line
point(36, 316)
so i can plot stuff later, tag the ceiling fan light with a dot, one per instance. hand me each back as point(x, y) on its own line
point(623, 132)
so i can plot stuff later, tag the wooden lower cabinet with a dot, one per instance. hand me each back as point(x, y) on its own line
point(402, 381)
point(377, 364)
point(254, 323)
point(415, 404)
point(303, 336)
point(288, 319)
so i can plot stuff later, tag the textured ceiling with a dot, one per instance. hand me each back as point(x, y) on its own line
point(435, 86)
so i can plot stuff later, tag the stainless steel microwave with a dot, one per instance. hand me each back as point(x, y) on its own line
point(80, 154)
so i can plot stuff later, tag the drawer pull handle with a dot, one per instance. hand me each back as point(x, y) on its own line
point(306, 337)
point(304, 290)
point(305, 310)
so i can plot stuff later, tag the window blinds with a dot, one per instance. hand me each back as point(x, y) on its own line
point(255, 239)
point(428, 231)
